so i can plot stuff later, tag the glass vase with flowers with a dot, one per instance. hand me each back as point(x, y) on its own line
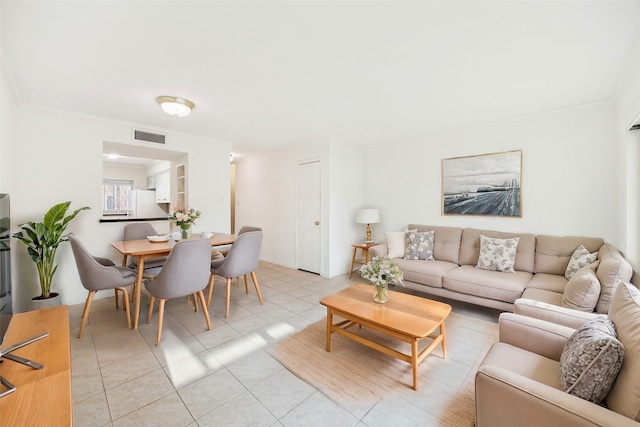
point(184, 218)
point(381, 272)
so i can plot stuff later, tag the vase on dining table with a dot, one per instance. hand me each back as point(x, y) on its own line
point(186, 231)
point(381, 293)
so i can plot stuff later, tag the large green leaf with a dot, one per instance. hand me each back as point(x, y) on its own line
point(55, 214)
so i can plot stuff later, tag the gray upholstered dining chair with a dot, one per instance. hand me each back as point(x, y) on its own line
point(152, 266)
point(246, 229)
point(242, 258)
point(140, 231)
point(186, 272)
point(97, 274)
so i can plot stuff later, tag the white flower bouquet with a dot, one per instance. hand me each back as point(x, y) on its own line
point(382, 272)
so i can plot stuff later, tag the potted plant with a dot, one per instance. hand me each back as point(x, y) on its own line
point(42, 240)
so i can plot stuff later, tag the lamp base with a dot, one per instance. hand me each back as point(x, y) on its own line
point(367, 237)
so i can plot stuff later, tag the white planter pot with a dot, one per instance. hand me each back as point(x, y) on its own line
point(37, 304)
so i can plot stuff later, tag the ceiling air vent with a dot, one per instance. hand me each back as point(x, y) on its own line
point(141, 135)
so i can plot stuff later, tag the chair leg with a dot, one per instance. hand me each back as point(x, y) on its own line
point(228, 294)
point(160, 318)
point(85, 313)
point(133, 291)
point(195, 301)
point(211, 280)
point(204, 309)
point(125, 302)
point(116, 292)
point(246, 286)
point(153, 299)
point(255, 283)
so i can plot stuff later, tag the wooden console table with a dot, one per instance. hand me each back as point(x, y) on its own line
point(43, 396)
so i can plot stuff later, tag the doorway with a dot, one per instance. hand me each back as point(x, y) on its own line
point(308, 214)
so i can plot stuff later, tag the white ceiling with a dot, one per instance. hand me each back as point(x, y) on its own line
point(265, 74)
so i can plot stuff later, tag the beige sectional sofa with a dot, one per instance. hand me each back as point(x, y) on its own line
point(520, 381)
point(539, 266)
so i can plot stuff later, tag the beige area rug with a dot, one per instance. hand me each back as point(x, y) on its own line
point(352, 372)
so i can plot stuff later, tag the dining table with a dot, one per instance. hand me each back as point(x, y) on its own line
point(145, 248)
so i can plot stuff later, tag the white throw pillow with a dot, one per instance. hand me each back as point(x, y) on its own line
point(497, 254)
point(396, 243)
point(579, 259)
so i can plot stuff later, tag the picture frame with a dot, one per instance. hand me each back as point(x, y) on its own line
point(484, 184)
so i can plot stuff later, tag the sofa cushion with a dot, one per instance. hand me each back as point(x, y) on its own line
point(542, 295)
point(522, 362)
point(493, 285)
point(613, 268)
point(446, 242)
point(579, 259)
point(419, 245)
point(583, 289)
point(470, 247)
point(426, 273)
point(549, 282)
point(624, 397)
point(552, 253)
point(497, 254)
point(591, 360)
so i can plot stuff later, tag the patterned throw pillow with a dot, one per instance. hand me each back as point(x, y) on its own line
point(420, 245)
point(579, 259)
point(497, 254)
point(591, 360)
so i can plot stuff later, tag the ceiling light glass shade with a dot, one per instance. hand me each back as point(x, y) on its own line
point(174, 106)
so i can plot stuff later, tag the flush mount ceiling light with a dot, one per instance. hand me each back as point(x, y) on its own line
point(174, 106)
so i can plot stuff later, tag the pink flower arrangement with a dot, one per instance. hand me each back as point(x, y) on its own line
point(184, 217)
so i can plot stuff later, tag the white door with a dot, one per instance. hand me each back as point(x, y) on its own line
point(308, 217)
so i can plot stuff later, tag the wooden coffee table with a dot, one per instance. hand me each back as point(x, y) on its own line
point(405, 317)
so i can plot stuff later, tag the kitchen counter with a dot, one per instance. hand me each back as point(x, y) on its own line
point(130, 219)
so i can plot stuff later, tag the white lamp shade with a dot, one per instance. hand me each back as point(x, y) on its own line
point(368, 216)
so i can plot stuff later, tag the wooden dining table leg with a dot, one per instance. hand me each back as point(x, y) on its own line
point(138, 291)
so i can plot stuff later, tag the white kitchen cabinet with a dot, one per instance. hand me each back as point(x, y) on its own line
point(163, 187)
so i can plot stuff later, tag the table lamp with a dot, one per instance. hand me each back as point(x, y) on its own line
point(368, 216)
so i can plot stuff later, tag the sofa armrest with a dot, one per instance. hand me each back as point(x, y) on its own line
point(537, 336)
point(505, 399)
point(378, 250)
point(553, 313)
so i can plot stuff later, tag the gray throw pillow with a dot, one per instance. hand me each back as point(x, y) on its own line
point(420, 245)
point(591, 360)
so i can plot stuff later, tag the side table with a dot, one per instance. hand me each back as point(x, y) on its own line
point(365, 251)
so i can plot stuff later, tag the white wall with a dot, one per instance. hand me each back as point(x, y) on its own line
point(60, 158)
point(568, 184)
point(137, 173)
point(346, 172)
point(628, 142)
point(266, 197)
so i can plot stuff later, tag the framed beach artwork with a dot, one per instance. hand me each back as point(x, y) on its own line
point(485, 184)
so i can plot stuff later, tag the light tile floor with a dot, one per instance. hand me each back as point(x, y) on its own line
point(225, 377)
